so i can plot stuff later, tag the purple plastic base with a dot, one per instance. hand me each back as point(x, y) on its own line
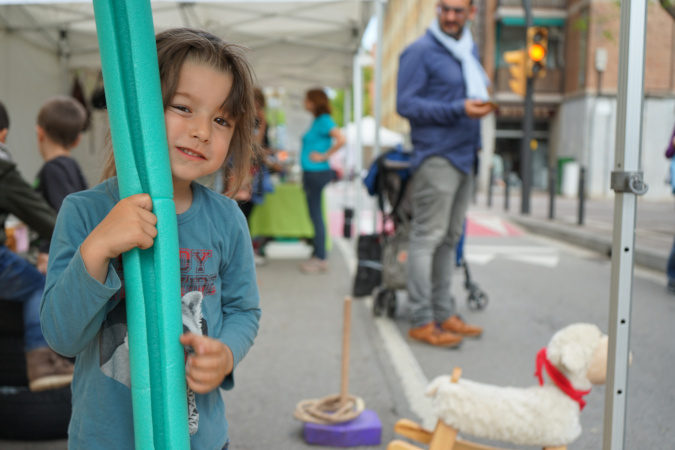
point(364, 430)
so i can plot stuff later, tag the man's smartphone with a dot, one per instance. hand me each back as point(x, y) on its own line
point(489, 102)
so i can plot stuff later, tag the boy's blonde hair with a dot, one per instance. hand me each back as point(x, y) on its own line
point(63, 119)
point(180, 45)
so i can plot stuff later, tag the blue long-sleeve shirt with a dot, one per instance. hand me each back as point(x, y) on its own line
point(431, 95)
point(83, 317)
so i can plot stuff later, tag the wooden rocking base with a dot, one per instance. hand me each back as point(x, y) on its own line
point(442, 438)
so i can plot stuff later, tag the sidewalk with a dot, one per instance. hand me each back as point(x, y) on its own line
point(654, 232)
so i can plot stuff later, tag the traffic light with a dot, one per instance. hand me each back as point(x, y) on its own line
point(516, 61)
point(537, 49)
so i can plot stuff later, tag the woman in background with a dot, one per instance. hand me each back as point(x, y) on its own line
point(319, 142)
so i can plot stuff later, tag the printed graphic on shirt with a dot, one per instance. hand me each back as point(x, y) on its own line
point(193, 273)
point(198, 275)
point(114, 345)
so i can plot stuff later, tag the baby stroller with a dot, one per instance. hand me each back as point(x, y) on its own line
point(388, 180)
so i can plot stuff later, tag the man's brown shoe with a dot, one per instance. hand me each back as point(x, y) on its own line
point(456, 325)
point(433, 335)
point(47, 370)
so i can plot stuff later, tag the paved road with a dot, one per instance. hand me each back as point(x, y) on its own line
point(535, 285)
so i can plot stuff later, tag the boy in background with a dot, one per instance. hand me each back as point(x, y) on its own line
point(60, 123)
point(59, 129)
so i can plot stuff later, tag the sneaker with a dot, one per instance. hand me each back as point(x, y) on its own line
point(47, 370)
point(313, 266)
point(431, 334)
point(456, 325)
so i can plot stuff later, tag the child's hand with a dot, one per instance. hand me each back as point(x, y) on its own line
point(128, 225)
point(209, 365)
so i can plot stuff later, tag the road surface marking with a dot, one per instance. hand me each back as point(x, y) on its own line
point(538, 256)
point(407, 368)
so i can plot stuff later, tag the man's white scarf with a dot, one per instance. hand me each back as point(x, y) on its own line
point(475, 78)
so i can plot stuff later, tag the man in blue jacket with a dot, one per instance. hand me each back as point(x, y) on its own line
point(442, 91)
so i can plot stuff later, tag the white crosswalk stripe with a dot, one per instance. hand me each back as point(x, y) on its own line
point(538, 256)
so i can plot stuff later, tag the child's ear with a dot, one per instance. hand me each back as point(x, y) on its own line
point(76, 142)
point(40, 133)
point(3, 134)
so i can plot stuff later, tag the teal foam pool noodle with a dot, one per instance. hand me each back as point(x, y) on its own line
point(152, 277)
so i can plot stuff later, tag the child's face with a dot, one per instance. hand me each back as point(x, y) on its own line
point(198, 131)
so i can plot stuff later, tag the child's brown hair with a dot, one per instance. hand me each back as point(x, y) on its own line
point(179, 45)
point(63, 119)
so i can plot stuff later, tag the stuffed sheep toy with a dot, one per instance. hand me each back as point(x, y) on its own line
point(546, 415)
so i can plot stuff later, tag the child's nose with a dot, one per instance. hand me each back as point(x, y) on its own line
point(201, 129)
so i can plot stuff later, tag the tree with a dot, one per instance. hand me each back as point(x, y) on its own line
point(669, 6)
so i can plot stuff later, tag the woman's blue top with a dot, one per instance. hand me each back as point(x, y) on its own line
point(317, 139)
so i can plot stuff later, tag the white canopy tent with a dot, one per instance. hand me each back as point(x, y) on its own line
point(388, 138)
point(345, 158)
point(294, 45)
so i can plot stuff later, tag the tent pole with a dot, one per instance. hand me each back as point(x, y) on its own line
point(358, 147)
point(346, 176)
point(627, 184)
point(347, 115)
point(379, 11)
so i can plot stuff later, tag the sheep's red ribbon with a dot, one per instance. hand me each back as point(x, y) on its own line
point(558, 378)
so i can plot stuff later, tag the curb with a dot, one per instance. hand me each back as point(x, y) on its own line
point(644, 257)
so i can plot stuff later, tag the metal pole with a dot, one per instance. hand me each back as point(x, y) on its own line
point(506, 191)
point(358, 145)
point(627, 166)
point(491, 183)
point(552, 184)
point(379, 14)
point(346, 118)
point(346, 169)
point(528, 126)
point(582, 195)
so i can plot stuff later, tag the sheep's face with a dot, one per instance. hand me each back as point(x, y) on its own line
point(597, 372)
point(578, 351)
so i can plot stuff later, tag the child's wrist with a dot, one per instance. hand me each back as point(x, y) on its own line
point(95, 261)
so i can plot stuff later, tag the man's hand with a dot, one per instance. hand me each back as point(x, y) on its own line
point(476, 109)
point(210, 364)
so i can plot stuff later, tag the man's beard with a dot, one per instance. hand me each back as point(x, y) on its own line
point(456, 35)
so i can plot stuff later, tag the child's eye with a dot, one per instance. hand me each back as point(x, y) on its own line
point(181, 108)
point(222, 121)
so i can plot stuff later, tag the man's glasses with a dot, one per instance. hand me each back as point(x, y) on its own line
point(446, 9)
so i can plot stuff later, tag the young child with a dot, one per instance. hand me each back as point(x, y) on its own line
point(59, 128)
point(209, 115)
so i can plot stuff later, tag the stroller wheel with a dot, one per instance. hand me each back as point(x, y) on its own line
point(391, 303)
point(379, 302)
point(477, 299)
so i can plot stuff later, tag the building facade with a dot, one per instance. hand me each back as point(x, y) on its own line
point(575, 103)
